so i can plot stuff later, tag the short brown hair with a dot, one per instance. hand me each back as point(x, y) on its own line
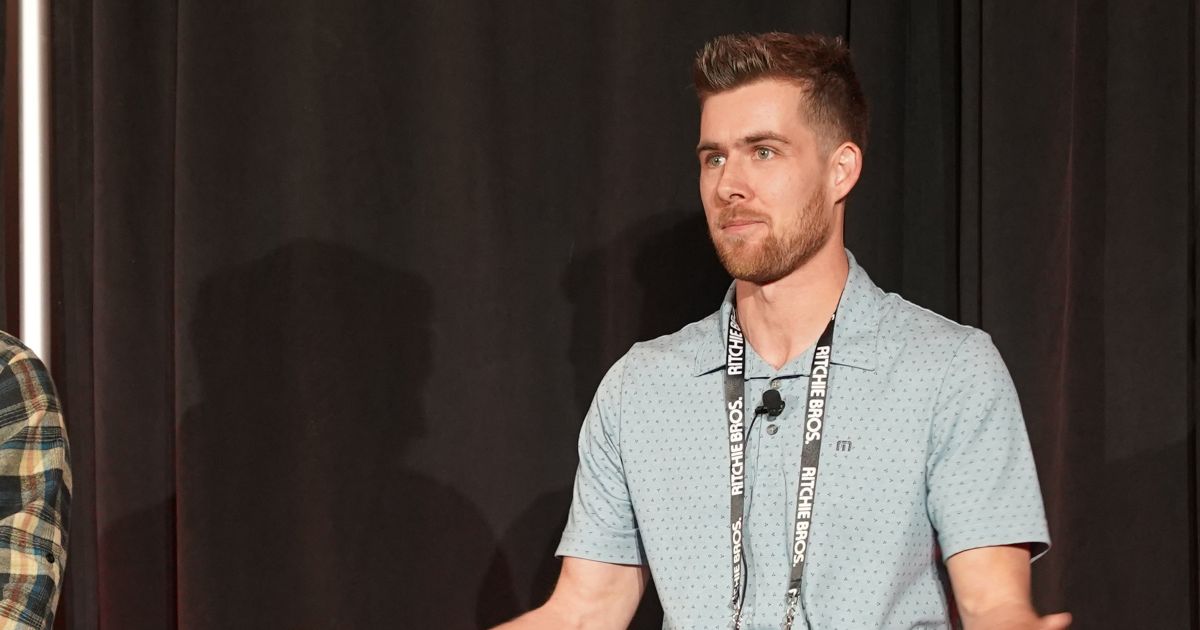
point(821, 65)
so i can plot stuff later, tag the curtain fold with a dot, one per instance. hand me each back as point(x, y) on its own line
point(8, 236)
point(337, 281)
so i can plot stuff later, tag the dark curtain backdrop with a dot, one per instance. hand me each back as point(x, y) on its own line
point(8, 206)
point(337, 280)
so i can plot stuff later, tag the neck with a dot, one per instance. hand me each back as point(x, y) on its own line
point(783, 318)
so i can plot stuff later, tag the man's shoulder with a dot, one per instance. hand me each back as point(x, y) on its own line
point(900, 314)
point(680, 349)
point(23, 376)
point(905, 326)
point(11, 348)
point(882, 327)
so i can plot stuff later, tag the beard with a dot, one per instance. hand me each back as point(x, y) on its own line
point(780, 253)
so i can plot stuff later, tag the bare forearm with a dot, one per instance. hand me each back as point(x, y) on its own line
point(1000, 616)
point(555, 615)
point(589, 596)
point(991, 588)
point(1006, 605)
point(548, 617)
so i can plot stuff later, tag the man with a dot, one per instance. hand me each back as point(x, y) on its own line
point(35, 490)
point(888, 439)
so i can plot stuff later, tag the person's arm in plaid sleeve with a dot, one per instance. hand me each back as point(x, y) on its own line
point(35, 490)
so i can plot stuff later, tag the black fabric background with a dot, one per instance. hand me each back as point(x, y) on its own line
point(336, 281)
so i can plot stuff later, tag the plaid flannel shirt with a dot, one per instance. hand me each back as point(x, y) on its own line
point(35, 490)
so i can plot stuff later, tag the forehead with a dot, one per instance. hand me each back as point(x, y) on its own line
point(767, 105)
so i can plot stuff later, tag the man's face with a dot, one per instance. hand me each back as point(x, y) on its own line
point(763, 181)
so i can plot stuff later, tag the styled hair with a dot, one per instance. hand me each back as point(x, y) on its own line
point(820, 65)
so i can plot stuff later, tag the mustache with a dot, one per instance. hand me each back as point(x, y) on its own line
point(731, 214)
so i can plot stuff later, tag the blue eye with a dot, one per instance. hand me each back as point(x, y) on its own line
point(714, 160)
point(764, 153)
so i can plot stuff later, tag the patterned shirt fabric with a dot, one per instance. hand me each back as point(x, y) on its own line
point(924, 455)
point(35, 490)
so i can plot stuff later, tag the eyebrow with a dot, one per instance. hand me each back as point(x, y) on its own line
point(753, 138)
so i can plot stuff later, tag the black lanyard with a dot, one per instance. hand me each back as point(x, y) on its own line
point(810, 457)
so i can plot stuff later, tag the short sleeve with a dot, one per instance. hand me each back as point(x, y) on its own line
point(983, 487)
point(601, 524)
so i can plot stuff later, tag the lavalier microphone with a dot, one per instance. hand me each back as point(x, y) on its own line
point(772, 403)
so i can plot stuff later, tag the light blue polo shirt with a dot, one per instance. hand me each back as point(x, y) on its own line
point(924, 455)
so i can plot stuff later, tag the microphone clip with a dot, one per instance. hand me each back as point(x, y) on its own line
point(772, 404)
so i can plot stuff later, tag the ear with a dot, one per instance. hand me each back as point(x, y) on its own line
point(845, 164)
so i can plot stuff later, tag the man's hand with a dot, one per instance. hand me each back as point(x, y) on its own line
point(991, 588)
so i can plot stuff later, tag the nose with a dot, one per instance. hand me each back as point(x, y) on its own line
point(731, 185)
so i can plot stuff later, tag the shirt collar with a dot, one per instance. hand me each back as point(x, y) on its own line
point(854, 335)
